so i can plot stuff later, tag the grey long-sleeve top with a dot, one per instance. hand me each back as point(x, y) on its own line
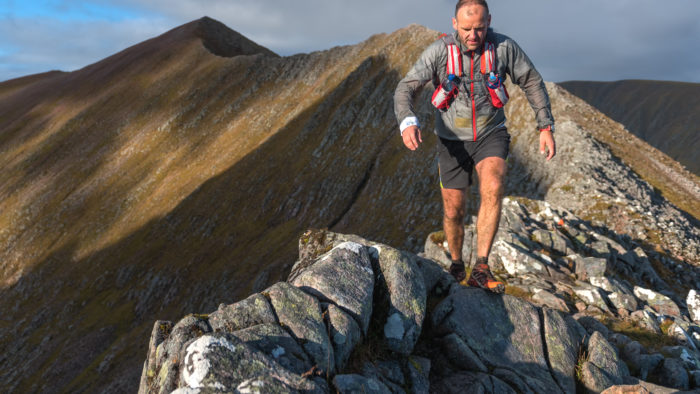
point(472, 115)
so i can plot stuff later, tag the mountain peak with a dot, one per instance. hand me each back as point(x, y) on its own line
point(223, 41)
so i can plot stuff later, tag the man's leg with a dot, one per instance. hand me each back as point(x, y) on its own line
point(453, 220)
point(491, 172)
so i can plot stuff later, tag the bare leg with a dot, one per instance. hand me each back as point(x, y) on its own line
point(453, 220)
point(491, 172)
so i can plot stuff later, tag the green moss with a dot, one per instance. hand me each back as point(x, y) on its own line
point(650, 340)
point(438, 237)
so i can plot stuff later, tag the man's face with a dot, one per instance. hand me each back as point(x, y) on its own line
point(471, 24)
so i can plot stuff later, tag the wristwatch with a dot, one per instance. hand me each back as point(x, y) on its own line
point(548, 128)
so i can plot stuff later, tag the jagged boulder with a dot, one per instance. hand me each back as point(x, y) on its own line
point(657, 301)
point(343, 276)
point(508, 333)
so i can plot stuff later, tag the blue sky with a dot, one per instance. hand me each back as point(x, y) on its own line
point(587, 40)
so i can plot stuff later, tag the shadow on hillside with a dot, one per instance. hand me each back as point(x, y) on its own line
point(235, 234)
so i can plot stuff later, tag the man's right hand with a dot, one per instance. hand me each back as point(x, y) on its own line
point(411, 137)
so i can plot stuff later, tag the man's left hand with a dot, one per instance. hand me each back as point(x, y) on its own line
point(547, 142)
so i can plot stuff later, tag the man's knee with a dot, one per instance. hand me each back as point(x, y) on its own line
point(454, 213)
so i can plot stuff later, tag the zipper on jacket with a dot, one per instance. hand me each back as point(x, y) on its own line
point(471, 76)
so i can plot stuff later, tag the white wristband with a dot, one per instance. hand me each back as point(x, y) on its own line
point(407, 122)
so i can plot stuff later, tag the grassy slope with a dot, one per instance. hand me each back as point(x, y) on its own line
point(665, 114)
point(149, 185)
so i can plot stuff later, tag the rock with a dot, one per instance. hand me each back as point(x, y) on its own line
point(161, 330)
point(436, 250)
point(657, 301)
point(345, 334)
point(562, 348)
point(688, 357)
point(588, 267)
point(517, 260)
point(249, 312)
point(671, 373)
point(592, 296)
point(169, 352)
point(223, 362)
point(595, 379)
point(610, 285)
point(276, 343)
point(603, 355)
point(403, 291)
point(694, 378)
point(418, 374)
point(640, 364)
point(626, 389)
point(543, 297)
point(436, 279)
point(460, 355)
point(354, 383)
point(301, 313)
point(623, 301)
point(471, 383)
point(387, 372)
point(502, 331)
point(646, 321)
point(693, 301)
point(344, 277)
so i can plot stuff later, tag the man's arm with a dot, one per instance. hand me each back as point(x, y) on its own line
point(421, 72)
point(524, 74)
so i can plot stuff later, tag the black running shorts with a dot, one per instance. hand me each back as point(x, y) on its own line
point(456, 159)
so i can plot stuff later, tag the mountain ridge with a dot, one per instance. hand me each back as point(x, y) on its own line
point(187, 179)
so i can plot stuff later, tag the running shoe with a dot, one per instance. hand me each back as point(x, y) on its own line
point(482, 277)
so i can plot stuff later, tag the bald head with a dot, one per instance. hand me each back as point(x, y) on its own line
point(462, 3)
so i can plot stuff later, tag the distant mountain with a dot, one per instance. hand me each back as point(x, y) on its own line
point(665, 114)
point(179, 174)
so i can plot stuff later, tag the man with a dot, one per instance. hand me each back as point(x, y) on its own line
point(471, 126)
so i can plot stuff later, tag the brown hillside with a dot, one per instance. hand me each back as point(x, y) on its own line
point(167, 179)
point(665, 114)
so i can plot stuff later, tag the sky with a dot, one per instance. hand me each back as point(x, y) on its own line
point(598, 40)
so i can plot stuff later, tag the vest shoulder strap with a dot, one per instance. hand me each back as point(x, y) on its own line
point(454, 56)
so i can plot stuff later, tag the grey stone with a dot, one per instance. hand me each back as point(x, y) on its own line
point(513, 380)
point(344, 277)
point(160, 332)
point(671, 373)
point(688, 356)
point(611, 285)
point(459, 353)
point(249, 312)
point(623, 301)
point(543, 297)
point(503, 331)
point(273, 341)
point(562, 349)
point(595, 379)
point(358, 384)
point(657, 301)
point(345, 334)
point(403, 289)
point(436, 250)
point(301, 313)
point(646, 321)
point(387, 372)
point(694, 377)
point(593, 297)
point(589, 267)
point(693, 302)
point(517, 260)
point(222, 361)
point(603, 355)
point(418, 374)
point(168, 352)
point(471, 383)
point(436, 279)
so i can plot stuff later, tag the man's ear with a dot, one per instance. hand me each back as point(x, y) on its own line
point(454, 23)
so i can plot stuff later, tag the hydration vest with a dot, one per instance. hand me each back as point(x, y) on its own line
point(496, 88)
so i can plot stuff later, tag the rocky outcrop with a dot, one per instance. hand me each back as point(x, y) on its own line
point(361, 316)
